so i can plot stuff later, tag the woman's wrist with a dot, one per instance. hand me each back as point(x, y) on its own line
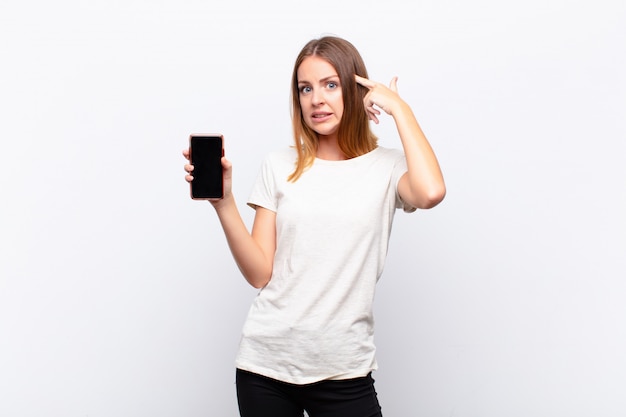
point(223, 203)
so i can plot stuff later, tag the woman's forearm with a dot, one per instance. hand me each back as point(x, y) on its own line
point(252, 256)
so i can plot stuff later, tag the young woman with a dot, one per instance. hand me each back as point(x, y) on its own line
point(324, 210)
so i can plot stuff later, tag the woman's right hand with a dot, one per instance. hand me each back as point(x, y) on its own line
point(227, 168)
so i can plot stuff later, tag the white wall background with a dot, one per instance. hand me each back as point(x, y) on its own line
point(118, 295)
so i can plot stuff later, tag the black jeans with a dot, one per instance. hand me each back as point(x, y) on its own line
point(260, 396)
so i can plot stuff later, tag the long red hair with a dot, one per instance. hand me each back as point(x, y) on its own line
point(355, 135)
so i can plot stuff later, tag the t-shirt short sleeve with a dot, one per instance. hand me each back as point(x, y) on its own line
point(264, 190)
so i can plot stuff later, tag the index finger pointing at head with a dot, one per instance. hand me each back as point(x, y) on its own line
point(364, 81)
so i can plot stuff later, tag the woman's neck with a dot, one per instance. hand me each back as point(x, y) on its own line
point(328, 149)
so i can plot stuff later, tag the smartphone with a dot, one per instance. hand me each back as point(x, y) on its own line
point(205, 154)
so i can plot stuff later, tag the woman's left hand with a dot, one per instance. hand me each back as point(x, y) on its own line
point(380, 96)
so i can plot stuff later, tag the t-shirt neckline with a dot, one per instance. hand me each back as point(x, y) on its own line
point(346, 161)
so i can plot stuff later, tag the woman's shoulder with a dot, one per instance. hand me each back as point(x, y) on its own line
point(280, 159)
point(391, 154)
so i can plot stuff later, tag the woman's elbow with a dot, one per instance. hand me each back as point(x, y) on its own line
point(258, 284)
point(258, 280)
point(431, 197)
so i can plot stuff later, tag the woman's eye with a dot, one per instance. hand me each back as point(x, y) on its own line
point(332, 84)
point(305, 89)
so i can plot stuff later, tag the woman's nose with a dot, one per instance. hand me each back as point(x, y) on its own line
point(317, 97)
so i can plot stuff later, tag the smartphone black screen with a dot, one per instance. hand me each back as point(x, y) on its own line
point(206, 153)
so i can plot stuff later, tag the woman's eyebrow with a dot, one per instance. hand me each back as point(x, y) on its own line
point(330, 77)
point(321, 80)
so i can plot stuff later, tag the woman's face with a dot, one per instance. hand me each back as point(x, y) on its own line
point(320, 95)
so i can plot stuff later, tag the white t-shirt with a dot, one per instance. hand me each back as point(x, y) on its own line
point(313, 320)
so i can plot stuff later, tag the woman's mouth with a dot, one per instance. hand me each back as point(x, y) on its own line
point(320, 117)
